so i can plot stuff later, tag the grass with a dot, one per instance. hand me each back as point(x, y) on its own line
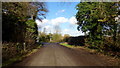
point(93, 51)
point(12, 60)
point(19, 58)
point(81, 47)
point(70, 46)
point(65, 44)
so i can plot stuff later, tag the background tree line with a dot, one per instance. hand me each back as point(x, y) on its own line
point(100, 21)
point(51, 37)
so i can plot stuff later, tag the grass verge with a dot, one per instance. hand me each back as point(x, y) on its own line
point(95, 51)
point(69, 46)
point(19, 58)
point(81, 47)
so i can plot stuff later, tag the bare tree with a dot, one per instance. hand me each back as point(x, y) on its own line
point(57, 29)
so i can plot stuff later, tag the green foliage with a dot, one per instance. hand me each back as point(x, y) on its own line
point(14, 17)
point(13, 52)
point(98, 20)
point(66, 37)
point(56, 37)
point(43, 37)
point(65, 44)
point(31, 33)
point(19, 30)
point(87, 17)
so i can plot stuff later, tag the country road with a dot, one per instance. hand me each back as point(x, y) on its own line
point(53, 54)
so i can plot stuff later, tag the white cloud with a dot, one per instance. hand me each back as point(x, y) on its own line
point(49, 25)
point(60, 11)
point(66, 30)
point(43, 24)
point(72, 32)
point(72, 20)
point(49, 28)
point(38, 22)
point(44, 21)
point(59, 20)
point(55, 21)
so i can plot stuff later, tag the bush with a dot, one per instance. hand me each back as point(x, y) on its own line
point(77, 41)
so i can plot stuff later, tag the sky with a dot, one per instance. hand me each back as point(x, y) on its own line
point(61, 15)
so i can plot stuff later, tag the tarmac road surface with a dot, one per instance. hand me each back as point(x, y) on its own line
point(53, 54)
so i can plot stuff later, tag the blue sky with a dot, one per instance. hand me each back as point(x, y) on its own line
point(62, 15)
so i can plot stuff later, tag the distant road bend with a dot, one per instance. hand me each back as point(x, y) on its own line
point(53, 54)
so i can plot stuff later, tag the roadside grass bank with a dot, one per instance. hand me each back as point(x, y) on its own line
point(19, 58)
point(82, 47)
point(112, 59)
point(87, 48)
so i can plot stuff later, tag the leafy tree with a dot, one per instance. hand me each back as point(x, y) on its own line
point(56, 37)
point(88, 20)
point(43, 37)
point(19, 30)
point(15, 14)
point(97, 18)
point(31, 31)
point(66, 37)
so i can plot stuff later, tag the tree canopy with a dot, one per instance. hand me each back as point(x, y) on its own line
point(97, 19)
point(18, 19)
